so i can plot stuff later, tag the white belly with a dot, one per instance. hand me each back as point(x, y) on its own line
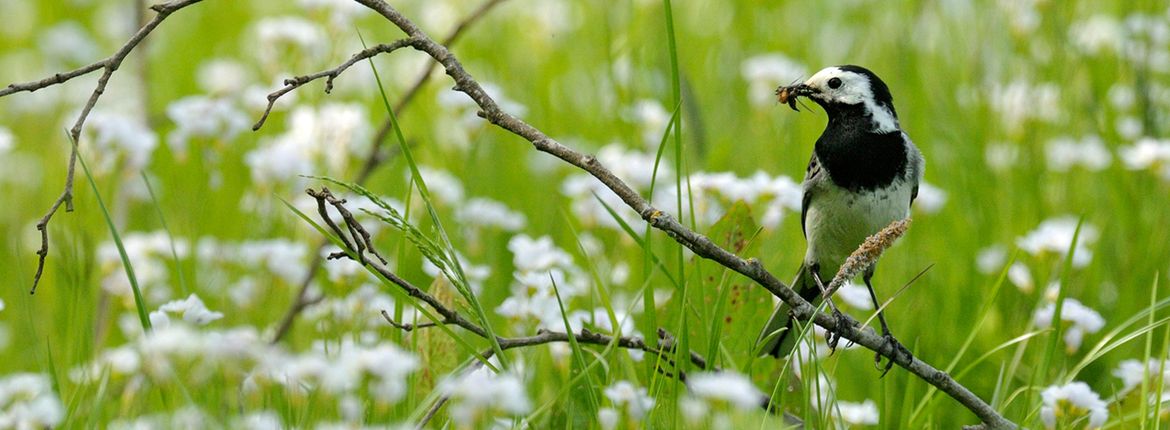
point(838, 221)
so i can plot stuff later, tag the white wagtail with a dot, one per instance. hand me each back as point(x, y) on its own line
point(863, 175)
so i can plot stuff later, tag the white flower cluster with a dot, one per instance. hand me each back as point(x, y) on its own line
point(192, 310)
point(27, 401)
point(280, 35)
point(539, 265)
point(1133, 373)
point(1080, 318)
point(215, 118)
point(1139, 38)
point(1055, 236)
point(1065, 403)
point(1148, 154)
point(117, 141)
point(340, 369)
point(1020, 101)
point(1089, 152)
point(476, 395)
point(150, 253)
point(634, 400)
point(361, 308)
point(727, 386)
point(337, 369)
point(483, 212)
point(317, 141)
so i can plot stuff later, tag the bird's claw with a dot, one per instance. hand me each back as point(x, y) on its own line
point(832, 337)
point(894, 349)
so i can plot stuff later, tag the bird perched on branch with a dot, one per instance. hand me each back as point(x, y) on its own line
point(863, 175)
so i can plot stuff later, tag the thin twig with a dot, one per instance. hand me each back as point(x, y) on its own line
point(299, 81)
point(109, 65)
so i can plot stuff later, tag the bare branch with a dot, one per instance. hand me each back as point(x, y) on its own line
point(109, 65)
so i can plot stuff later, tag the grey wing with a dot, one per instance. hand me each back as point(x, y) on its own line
point(814, 176)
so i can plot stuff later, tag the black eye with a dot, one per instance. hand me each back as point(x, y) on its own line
point(835, 83)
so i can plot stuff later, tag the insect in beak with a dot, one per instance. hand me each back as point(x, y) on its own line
point(788, 94)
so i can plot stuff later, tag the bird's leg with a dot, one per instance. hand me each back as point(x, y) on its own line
point(831, 337)
point(896, 348)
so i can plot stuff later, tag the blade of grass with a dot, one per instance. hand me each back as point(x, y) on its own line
point(594, 404)
point(460, 279)
point(139, 303)
point(170, 237)
point(984, 312)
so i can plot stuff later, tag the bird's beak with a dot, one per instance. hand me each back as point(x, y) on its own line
point(789, 94)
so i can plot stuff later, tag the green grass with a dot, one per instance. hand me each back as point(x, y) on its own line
point(579, 69)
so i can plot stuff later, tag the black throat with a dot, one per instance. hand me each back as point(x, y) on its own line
point(856, 157)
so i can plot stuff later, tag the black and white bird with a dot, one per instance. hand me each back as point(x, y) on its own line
point(863, 175)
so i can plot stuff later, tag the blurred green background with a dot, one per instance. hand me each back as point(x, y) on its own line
point(1027, 112)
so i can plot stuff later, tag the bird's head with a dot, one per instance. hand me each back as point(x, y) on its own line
point(846, 90)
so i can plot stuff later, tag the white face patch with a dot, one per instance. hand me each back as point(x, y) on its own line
point(854, 89)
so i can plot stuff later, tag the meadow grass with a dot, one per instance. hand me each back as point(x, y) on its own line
point(991, 93)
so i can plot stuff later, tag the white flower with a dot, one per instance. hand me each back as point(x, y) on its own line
point(261, 420)
point(634, 398)
point(1, 304)
point(341, 12)
point(1122, 96)
point(1020, 276)
point(475, 394)
point(1081, 320)
point(322, 138)
point(931, 199)
point(1129, 127)
point(990, 260)
point(1021, 100)
point(1089, 152)
point(1148, 153)
point(653, 119)
point(192, 309)
point(150, 253)
point(275, 35)
point(443, 186)
point(27, 401)
point(727, 386)
point(1071, 401)
point(1098, 33)
point(473, 273)
point(486, 212)
point(1055, 236)
point(864, 413)
point(766, 72)
point(1001, 155)
point(69, 43)
point(222, 76)
point(116, 135)
point(607, 418)
point(537, 255)
point(1134, 372)
point(203, 117)
point(7, 140)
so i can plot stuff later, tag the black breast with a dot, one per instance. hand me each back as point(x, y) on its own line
point(858, 159)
